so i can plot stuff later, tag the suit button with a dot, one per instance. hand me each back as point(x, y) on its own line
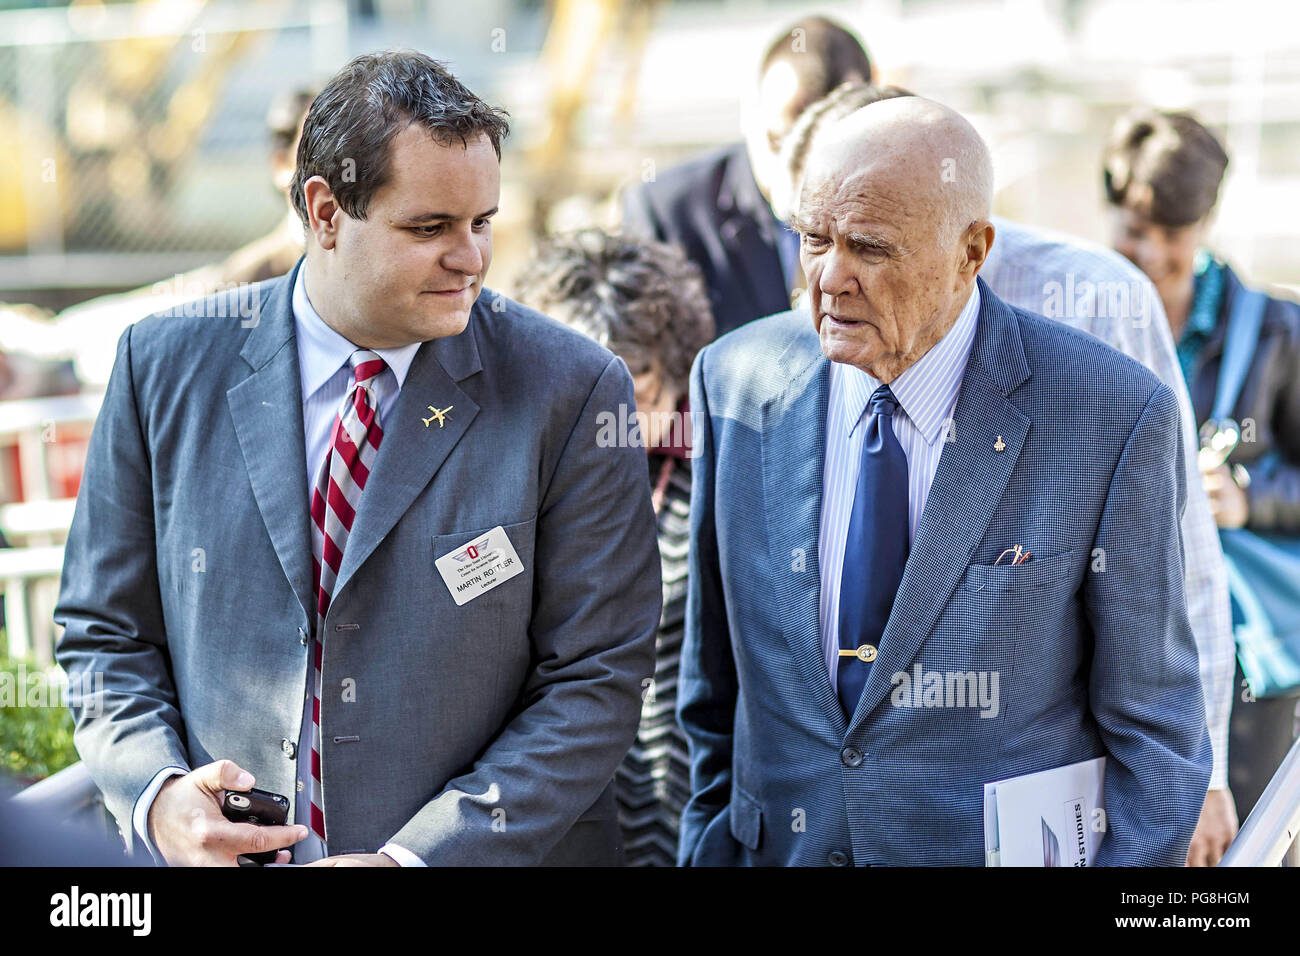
point(851, 756)
point(302, 636)
point(289, 747)
point(837, 858)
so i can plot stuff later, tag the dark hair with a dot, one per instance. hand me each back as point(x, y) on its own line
point(822, 53)
point(642, 300)
point(346, 135)
point(1178, 160)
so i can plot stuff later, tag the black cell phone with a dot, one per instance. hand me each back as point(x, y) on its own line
point(260, 807)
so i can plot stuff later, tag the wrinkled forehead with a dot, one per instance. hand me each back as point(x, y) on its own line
point(882, 188)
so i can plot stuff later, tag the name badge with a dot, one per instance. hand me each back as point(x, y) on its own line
point(479, 565)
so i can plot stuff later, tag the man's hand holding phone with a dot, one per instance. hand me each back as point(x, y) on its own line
point(187, 826)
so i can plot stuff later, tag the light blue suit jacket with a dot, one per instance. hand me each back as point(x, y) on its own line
point(1089, 640)
point(485, 733)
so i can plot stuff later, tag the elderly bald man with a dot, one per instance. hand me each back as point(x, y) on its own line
point(913, 487)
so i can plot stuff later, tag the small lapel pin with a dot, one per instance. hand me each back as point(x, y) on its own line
point(999, 445)
point(437, 416)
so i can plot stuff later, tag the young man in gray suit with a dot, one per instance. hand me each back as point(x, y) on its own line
point(354, 536)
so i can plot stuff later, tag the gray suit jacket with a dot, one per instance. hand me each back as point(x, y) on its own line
point(480, 734)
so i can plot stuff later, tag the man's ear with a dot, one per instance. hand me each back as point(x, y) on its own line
point(323, 211)
point(976, 242)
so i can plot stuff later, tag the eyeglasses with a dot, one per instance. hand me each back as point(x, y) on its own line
point(1019, 555)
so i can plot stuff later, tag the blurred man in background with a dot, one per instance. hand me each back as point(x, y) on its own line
point(717, 207)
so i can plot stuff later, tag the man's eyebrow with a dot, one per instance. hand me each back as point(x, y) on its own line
point(866, 240)
point(443, 216)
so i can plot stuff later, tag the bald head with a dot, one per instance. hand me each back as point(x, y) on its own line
point(918, 150)
point(893, 210)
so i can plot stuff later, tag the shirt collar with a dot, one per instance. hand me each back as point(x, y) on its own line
point(926, 390)
point(323, 351)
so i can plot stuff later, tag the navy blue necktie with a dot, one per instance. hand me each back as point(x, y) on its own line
point(875, 550)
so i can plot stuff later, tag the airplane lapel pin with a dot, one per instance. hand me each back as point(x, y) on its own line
point(438, 416)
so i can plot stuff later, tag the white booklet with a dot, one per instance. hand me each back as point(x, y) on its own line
point(1051, 818)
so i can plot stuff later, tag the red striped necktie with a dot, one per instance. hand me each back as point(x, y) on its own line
point(354, 442)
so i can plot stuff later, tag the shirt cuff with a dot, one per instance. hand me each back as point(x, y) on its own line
point(403, 856)
point(1222, 714)
point(1219, 767)
point(140, 813)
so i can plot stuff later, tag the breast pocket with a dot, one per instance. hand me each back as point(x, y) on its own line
point(995, 605)
point(1036, 573)
point(508, 598)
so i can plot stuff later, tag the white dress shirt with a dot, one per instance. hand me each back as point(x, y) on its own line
point(325, 374)
point(927, 394)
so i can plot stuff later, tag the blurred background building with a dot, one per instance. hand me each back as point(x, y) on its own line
point(136, 143)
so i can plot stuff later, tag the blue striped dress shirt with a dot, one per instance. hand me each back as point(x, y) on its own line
point(927, 394)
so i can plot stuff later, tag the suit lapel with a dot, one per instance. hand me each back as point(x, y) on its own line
point(793, 453)
point(267, 411)
point(412, 452)
point(968, 485)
